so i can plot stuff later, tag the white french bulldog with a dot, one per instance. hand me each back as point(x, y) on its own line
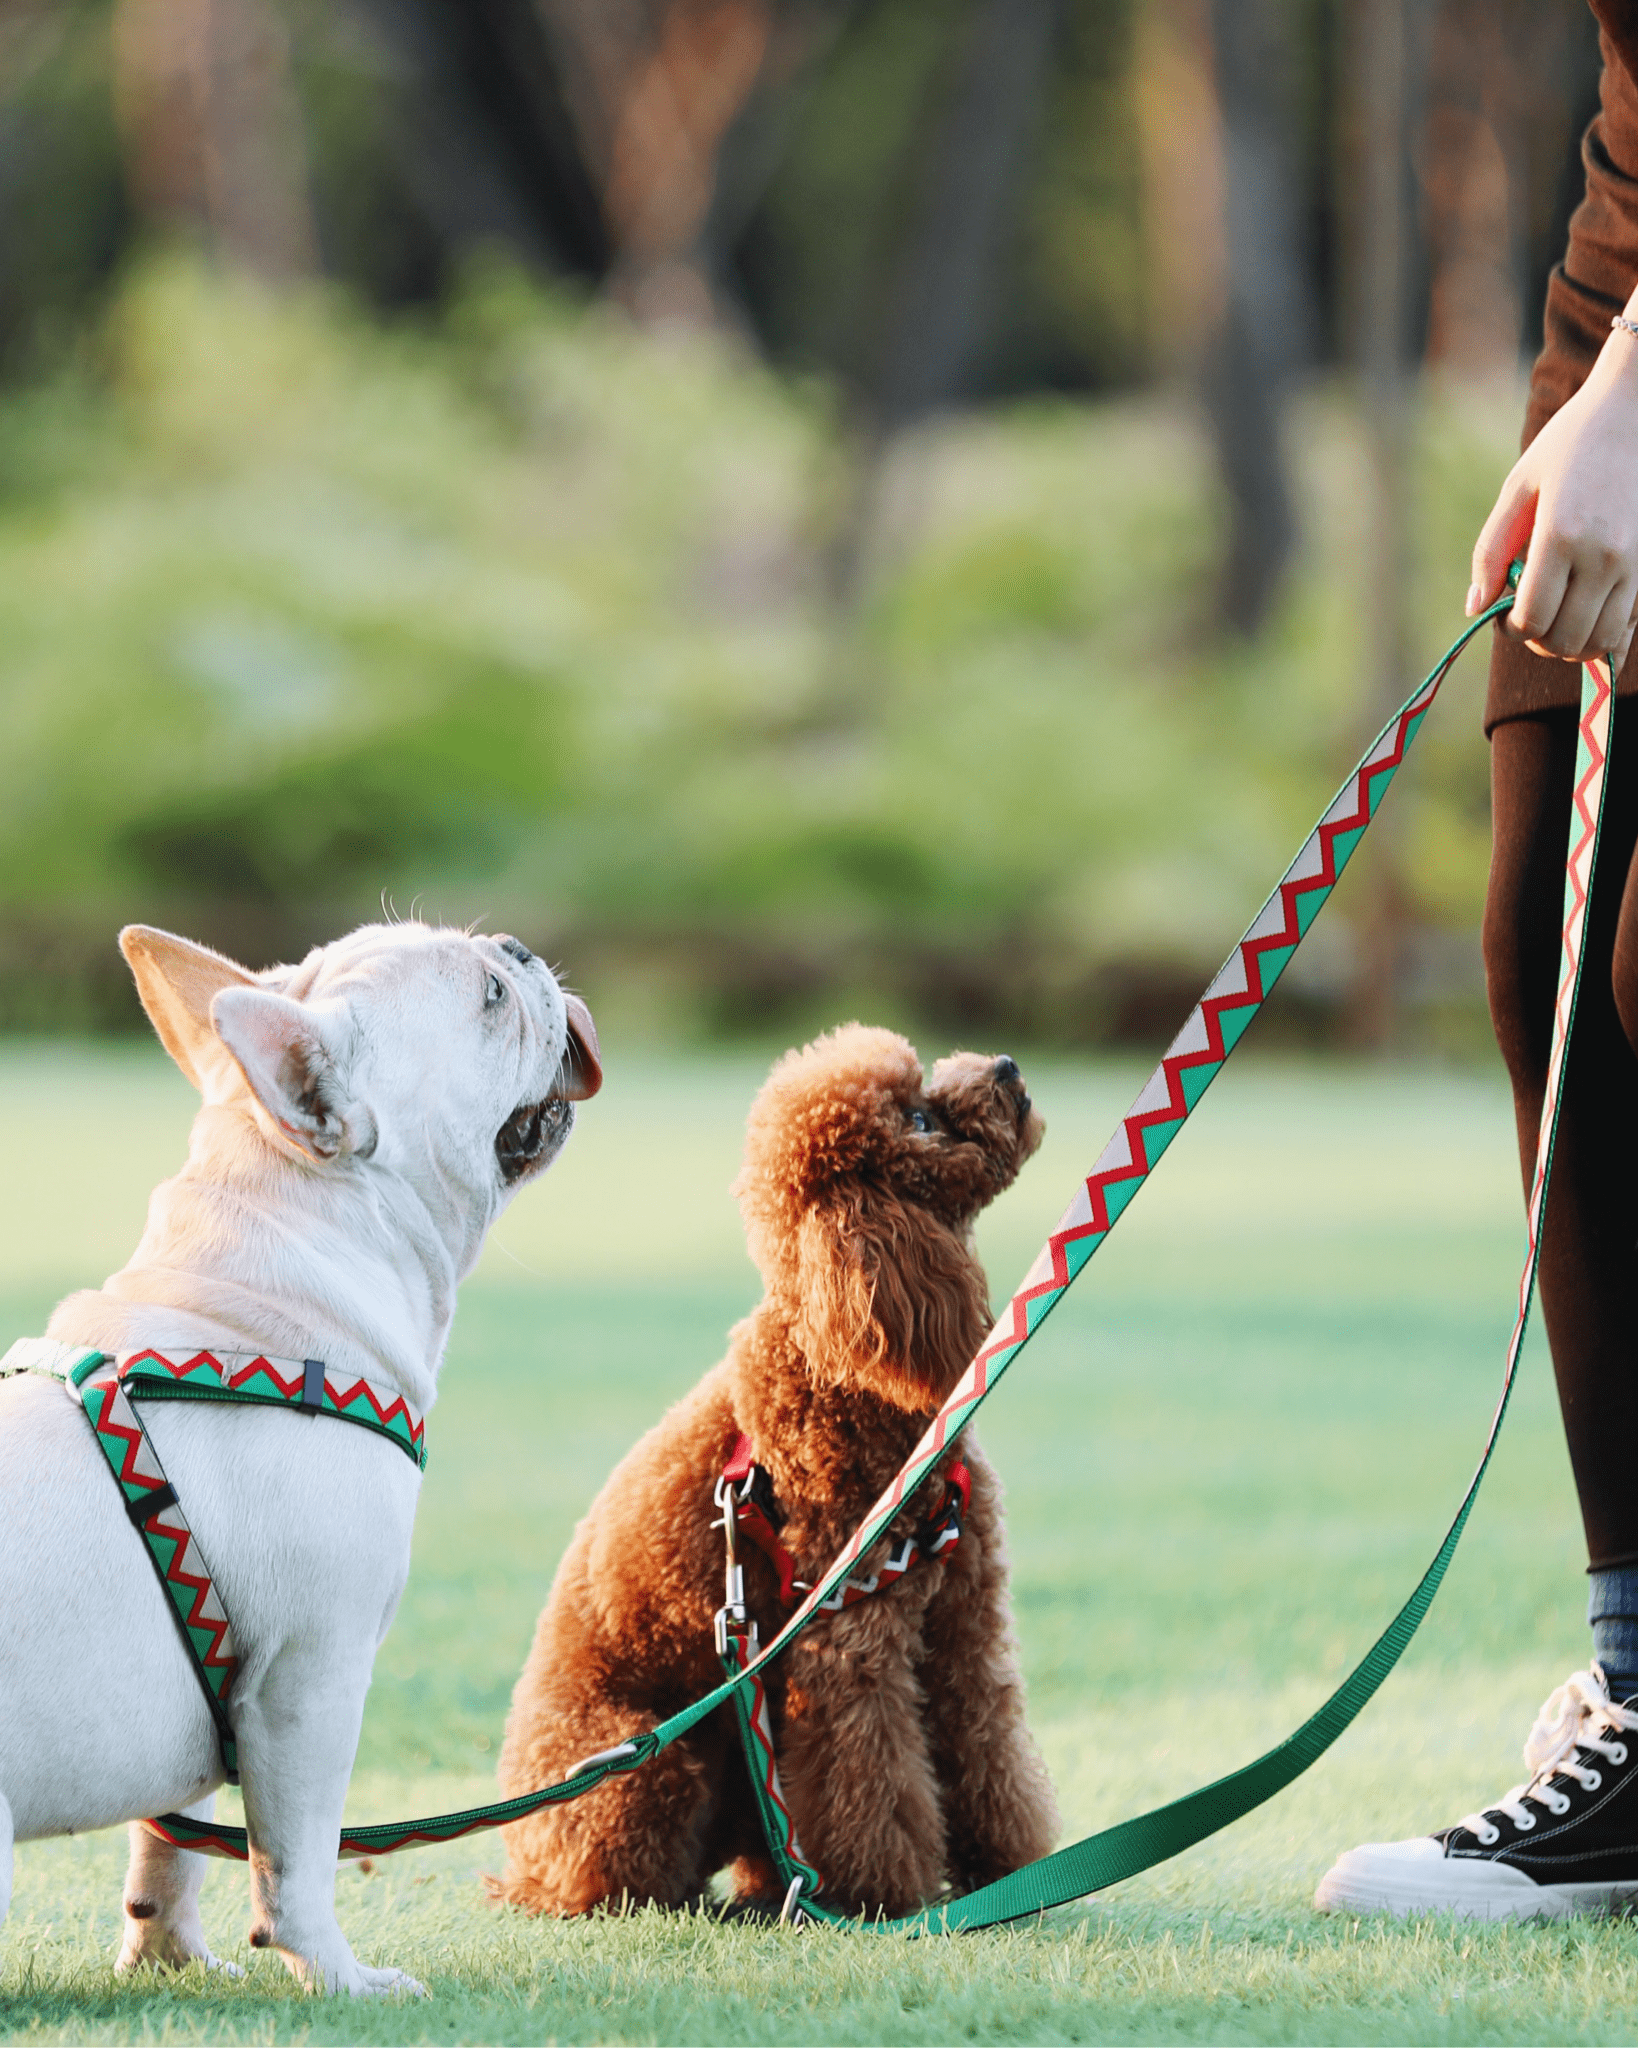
point(367, 1116)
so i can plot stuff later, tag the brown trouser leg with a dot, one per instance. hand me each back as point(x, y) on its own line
point(1589, 1264)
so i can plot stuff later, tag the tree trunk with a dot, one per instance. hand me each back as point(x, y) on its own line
point(1265, 321)
point(212, 131)
point(1383, 51)
point(653, 90)
point(1504, 87)
point(935, 321)
point(945, 274)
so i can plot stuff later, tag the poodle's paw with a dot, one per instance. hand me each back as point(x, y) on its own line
point(533, 1896)
point(760, 1908)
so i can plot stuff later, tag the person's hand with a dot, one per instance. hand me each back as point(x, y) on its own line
point(1571, 499)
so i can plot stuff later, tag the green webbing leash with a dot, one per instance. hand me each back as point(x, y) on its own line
point(1193, 1061)
point(1136, 1845)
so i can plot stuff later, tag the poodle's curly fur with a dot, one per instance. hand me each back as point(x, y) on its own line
point(899, 1720)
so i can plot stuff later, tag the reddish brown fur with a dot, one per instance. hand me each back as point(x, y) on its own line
point(899, 1721)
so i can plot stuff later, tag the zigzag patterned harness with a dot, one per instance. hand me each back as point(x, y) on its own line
point(106, 1385)
point(745, 1495)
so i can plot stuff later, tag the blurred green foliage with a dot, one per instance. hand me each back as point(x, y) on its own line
point(523, 614)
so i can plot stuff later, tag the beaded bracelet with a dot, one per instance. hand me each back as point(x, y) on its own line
point(1621, 320)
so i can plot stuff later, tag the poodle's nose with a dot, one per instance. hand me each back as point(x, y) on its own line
point(1006, 1069)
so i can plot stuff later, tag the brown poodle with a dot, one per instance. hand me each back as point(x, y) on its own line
point(899, 1720)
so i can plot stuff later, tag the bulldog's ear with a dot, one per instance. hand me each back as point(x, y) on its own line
point(177, 982)
point(581, 1074)
point(281, 1049)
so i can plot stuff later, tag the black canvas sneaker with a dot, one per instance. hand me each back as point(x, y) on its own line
point(1565, 1841)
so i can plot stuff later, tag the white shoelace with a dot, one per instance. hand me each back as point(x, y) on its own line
point(1580, 1715)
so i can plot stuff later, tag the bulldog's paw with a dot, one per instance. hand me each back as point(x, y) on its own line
point(387, 1984)
point(155, 1942)
point(324, 1965)
point(142, 1952)
point(353, 1979)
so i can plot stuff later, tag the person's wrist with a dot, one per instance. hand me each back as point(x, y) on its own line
point(1617, 366)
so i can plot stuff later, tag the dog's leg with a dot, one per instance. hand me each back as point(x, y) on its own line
point(298, 1733)
point(999, 1809)
point(853, 1759)
point(642, 1840)
point(162, 1925)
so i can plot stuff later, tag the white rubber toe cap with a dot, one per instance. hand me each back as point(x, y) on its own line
point(1418, 1877)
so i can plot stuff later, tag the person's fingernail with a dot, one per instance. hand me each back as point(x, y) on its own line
point(1473, 595)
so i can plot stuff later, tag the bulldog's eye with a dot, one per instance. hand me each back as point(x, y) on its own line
point(494, 992)
point(920, 1120)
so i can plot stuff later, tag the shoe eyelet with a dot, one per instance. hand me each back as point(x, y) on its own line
point(1592, 1781)
point(1618, 1754)
point(1489, 1838)
point(1560, 1805)
point(1525, 1823)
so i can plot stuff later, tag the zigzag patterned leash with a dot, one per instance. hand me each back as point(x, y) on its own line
point(1200, 1049)
point(756, 1741)
point(1167, 1100)
point(1136, 1845)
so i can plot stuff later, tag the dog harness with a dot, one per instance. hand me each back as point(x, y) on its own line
point(106, 1384)
point(746, 1488)
point(745, 1496)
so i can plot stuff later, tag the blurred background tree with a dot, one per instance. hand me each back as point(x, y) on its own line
point(791, 505)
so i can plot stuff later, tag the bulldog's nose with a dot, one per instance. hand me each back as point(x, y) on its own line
point(1006, 1069)
point(518, 950)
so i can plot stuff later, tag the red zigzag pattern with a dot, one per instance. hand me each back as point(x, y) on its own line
point(116, 1424)
point(341, 1394)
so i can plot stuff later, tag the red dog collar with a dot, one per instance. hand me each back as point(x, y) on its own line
point(746, 1489)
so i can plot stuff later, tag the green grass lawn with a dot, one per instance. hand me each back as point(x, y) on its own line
point(1228, 1457)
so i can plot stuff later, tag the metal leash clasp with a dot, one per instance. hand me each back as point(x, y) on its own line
point(600, 1756)
point(731, 1620)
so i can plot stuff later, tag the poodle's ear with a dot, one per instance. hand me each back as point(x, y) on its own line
point(819, 1118)
point(889, 1299)
point(835, 1296)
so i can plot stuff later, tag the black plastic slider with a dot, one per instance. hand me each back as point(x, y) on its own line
point(153, 1503)
point(312, 1385)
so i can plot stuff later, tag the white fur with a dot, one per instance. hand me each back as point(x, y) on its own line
point(340, 1179)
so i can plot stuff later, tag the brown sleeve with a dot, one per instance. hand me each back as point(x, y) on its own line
point(1595, 279)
